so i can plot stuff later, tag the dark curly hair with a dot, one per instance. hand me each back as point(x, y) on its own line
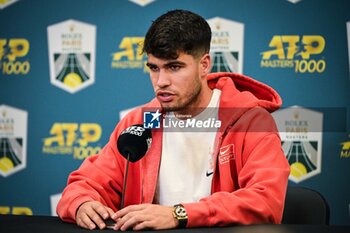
point(178, 31)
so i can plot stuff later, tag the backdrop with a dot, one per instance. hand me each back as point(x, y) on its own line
point(69, 70)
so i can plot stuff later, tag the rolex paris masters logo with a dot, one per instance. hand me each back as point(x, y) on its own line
point(226, 47)
point(6, 3)
point(301, 136)
point(72, 55)
point(13, 140)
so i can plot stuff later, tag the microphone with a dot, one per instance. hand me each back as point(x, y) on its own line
point(133, 144)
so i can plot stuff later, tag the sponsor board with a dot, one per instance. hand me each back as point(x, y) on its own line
point(72, 46)
point(142, 2)
point(294, 1)
point(348, 36)
point(79, 140)
point(13, 56)
point(13, 140)
point(303, 54)
point(16, 210)
point(301, 135)
point(6, 3)
point(226, 48)
point(130, 54)
point(345, 149)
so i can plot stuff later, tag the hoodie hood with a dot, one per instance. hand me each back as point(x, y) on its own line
point(244, 92)
point(240, 94)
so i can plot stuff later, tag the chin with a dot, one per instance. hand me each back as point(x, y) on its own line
point(170, 108)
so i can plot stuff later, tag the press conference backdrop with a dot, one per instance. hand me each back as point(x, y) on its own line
point(69, 70)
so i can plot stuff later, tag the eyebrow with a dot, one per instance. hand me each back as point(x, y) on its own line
point(168, 64)
point(171, 63)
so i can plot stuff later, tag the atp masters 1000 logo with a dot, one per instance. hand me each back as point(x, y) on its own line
point(13, 54)
point(73, 138)
point(345, 149)
point(303, 53)
point(130, 55)
point(16, 210)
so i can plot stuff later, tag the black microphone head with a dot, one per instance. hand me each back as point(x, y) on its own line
point(134, 141)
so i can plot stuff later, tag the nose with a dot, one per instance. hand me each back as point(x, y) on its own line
point(163, 79)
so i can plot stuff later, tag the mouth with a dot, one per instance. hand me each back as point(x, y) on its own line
point(165, 96)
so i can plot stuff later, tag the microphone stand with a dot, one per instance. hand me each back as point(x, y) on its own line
point(125, 179)
point(109, 222)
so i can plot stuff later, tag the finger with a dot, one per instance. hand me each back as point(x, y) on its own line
point(110, 212)
point(101, 210)
point(120, 222)
point(126, 210)
point(79, 218)
point(110, 223)
point(80, 223)
point(128, 216)
point(133, 219)
point(86, 222)
point(142, 226)
point(96, 218)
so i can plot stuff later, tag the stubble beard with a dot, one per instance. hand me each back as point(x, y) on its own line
point(191, 99)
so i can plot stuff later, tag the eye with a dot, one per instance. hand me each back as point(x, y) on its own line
point(153, 68)
point(174, 67)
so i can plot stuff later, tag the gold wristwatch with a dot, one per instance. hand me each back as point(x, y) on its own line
point(180, 214)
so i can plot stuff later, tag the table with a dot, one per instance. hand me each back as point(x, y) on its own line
point(48, 224)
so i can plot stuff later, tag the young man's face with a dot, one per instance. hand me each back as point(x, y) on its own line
point(178, 83)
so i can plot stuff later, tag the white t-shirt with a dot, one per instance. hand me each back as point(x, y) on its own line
point(186, 165)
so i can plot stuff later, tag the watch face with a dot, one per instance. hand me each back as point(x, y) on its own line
point(180, 211)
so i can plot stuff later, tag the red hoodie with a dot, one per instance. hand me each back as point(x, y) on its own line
point(250, 171)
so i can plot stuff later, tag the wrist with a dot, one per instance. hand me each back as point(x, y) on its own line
point(180, 216)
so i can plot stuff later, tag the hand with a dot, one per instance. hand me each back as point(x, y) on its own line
point(145, 216)
point(93, 213)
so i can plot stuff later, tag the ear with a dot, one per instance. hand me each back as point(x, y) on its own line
point(205, 65)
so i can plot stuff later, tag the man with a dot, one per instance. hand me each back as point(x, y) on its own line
point(235, 174)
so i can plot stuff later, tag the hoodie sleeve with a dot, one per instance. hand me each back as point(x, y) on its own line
point(99, 178)
point(252, 188)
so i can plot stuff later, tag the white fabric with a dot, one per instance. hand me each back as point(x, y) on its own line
point(186, 166)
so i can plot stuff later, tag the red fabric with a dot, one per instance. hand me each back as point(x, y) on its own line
point(251, 171)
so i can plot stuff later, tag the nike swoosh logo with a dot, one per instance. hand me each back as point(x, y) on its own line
point(209, 173)
point(224, 152)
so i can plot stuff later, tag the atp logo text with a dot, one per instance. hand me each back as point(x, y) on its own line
point(295, 51)
point(131, 55)
point(12, 52)
point(15, 210)
point(73, 138)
